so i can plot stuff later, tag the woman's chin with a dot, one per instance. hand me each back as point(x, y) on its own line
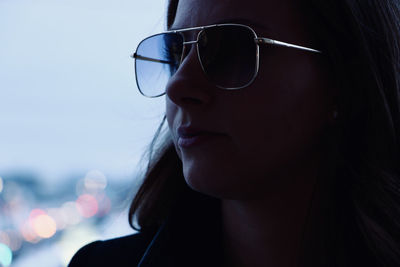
point(219, 185)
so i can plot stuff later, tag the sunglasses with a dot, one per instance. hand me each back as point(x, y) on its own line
point(228, 55)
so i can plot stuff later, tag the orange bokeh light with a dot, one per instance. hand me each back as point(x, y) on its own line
point(40, 224)
point(44, 226)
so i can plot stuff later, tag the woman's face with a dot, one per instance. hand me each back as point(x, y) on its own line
point(260, 135)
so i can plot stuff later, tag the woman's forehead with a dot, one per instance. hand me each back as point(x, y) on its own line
point(274, 15)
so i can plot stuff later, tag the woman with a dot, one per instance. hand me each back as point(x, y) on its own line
point(282, 146)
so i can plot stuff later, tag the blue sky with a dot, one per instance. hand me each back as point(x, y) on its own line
point(68, 98)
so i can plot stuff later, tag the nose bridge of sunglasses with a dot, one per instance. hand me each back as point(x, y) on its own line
point(190, 42)
point(194, 34)
point(186, 49)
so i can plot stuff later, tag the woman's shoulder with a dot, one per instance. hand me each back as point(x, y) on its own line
point(122, 251)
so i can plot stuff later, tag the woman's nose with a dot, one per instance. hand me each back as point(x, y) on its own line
point(189, 85)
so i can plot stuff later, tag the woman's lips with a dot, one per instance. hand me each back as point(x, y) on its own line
point(189, 136)
point(193, 140)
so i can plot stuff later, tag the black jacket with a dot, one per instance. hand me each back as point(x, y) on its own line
point(190, 237)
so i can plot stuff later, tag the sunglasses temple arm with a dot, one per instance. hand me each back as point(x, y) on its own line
point(279, 43)
point(136, 56)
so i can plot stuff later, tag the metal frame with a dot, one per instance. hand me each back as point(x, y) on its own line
point(258, 40)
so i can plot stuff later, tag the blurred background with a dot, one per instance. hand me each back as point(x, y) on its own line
point(73, 127)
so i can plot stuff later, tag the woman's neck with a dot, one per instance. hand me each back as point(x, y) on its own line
point(268, 230)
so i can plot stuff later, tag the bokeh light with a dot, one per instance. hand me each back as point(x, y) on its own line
point(87, 205)
point(39, 225)
point(95, 181)
point(44, 226)
point(5, 255)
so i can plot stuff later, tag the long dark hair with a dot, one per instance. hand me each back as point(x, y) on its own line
point(361, 43)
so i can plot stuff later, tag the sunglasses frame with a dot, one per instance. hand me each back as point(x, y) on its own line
point(258, 41)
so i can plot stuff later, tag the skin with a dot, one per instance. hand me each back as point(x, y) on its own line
point(264, 164)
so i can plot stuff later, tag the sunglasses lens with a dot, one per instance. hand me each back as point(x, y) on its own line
point(157, 59)
point(228, 55)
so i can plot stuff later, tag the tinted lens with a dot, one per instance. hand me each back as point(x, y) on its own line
point(228, 55)
point(157, 59)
